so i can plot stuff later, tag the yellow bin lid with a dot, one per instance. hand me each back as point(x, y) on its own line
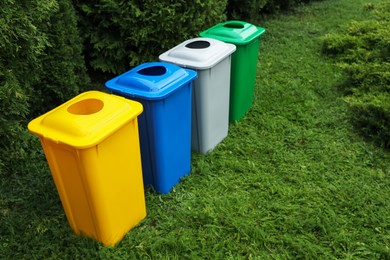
point(86, 119)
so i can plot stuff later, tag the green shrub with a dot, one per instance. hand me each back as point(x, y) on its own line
point(282, 5)
point(21, 47)
point(248, 11)
point(251, 10)
point(40, 67)
point(63, 68)
point(363, 51)
point(13, 110)
point(120, 34)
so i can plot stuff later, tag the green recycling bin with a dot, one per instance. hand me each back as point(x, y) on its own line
point(246, 37)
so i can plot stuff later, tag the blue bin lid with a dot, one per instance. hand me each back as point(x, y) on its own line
point(151, 80)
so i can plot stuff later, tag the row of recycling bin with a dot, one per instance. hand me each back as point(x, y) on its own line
point(102, 149)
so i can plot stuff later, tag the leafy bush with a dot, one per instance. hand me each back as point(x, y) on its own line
point(21, 46)
point(120, 34)
point(364, 55)
point(13, 110)
point(277, 5)
point(250, 10)
point(63, 69)
point(40, 66)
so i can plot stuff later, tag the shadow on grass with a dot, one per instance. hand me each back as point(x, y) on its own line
point(369, 122)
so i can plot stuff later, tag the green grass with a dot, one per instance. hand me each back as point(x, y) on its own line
point(292, 180)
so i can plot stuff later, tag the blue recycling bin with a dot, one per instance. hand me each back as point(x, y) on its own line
point(165, 91)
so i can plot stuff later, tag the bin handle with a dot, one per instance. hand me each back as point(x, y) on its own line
point(200, 44)
point(153, 71)
point(234, 25)
point(86, 107)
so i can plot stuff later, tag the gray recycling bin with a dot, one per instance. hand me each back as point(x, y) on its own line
point(211, 59)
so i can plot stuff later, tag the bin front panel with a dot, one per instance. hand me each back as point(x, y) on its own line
point(113, 173)
point(102, 196)
point(236, 32)
point(210, 118)
point(243, 77)
point(165, 133)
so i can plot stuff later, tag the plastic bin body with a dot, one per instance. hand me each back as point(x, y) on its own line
point(246, 37)
point(210, 113)
point(92, 147)
point(165, 126)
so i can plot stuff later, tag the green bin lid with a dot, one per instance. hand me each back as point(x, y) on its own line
point(236, 32)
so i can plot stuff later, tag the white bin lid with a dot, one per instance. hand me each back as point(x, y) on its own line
point(198, 53)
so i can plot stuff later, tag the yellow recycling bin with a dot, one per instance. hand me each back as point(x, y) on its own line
point(91, 144)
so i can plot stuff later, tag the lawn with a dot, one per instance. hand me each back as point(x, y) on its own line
point(293, 180)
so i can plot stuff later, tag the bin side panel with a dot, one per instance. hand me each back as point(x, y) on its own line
point(211, 106)
point(146, 126)
point(64, 164)
point(100, 187)
point(113, 176)
point(166, 139)
point(243, 77)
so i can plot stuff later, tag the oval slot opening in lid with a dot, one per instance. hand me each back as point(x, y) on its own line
point(86, 107)
point(153, 71)
point(198, 45)
point(234, 25)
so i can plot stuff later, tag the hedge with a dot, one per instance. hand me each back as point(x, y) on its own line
point(121, 34)
point(45, 46)
point(245, 10)
point(40, 67)
point(251, 10)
